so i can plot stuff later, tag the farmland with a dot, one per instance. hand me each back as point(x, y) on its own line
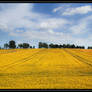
point(46, 69)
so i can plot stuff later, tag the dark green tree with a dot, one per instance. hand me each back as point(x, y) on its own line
point(89, 47)
point(26, 45)
point(6, 45)
point(51, 45)
point(33, 46)
point(44, 45)
point(20, 45)
point(30, 46)
point(40, 45)
point(12, 44)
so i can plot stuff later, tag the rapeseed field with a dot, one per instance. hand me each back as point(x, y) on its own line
point(46, 69)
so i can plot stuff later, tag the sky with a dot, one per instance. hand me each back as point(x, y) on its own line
point(60, 23)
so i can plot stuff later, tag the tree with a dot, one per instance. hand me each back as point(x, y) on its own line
point(51, 45)
point(33, 46)
point(83, 47)
point(64, 45)
point(56, 46)
point(89, 47)
point(77, 46)
point(20, 45)
point(73, 46)
point(12, 44)
point(30, 46)
point(40, 45)
point(6, 45)
point(68, 46)
point(26, 45)
point(60, 46)
point(44, 45)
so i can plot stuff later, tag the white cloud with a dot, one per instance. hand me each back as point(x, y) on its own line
point(51, 31)
point(61, 8)
point(81, 26)
point(41, 27)
point(14, 16)
point(78, 10)
point(37, 25)
point(57, 9)
point(74, 10)
point(53, 23)
point(49, 36)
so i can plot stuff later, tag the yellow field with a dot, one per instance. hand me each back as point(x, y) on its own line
point(46, 69)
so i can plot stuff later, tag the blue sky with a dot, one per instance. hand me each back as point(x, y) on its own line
point(47, 22)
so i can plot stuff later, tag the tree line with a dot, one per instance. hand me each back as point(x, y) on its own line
point(45, 45)
point(12, 45)
point(89, 47)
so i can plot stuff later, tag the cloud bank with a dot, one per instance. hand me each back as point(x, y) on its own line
point(20, 20)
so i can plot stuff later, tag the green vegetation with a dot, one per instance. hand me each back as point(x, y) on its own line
point(12, 45)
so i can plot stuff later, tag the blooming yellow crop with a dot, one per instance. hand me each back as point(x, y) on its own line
point(46, 69)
